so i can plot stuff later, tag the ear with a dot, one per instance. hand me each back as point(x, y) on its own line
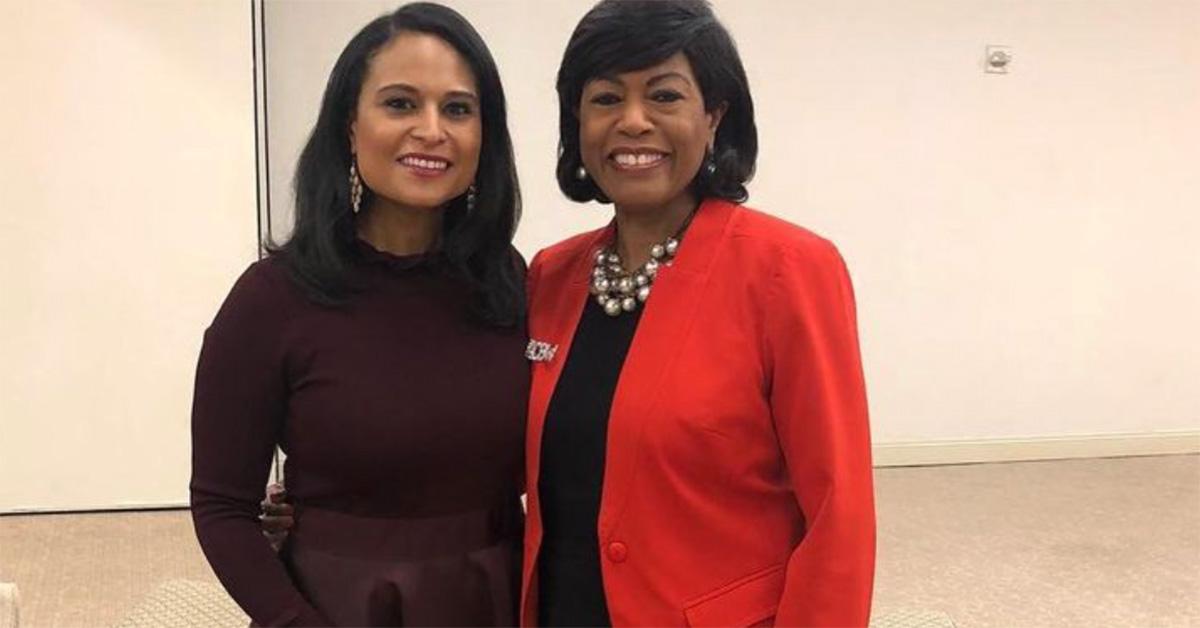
point(714, 121)
point(353, 133)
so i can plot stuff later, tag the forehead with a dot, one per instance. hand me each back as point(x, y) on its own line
point(422, 60)
point(676, 64)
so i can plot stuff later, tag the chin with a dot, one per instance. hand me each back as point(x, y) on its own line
point(427, 203)
point(640, 198)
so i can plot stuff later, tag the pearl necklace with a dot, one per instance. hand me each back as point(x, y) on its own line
point(619, 291)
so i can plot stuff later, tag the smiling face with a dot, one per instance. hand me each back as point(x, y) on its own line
point(417, 129)
point(643, 134)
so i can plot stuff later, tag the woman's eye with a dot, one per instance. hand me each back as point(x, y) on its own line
point(400, 104)
point(459, 109)
point(605, 99)
point(666, 96)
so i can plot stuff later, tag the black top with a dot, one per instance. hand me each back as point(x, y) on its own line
point(572, 470)
point(366, 399)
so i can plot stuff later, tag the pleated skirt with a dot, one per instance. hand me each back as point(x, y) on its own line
point(454, 570)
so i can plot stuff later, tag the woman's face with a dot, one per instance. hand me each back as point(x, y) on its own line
point(643, 134)
point(417, 128)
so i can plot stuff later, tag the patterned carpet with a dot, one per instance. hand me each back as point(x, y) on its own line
point(1104, 542)
point(184, 604)
point(192, 604)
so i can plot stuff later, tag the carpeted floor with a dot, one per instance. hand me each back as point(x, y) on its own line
point(90, 569)
point(1105, 542)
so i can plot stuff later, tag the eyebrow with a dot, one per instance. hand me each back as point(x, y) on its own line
point(667, 75)
point(654, 80)
point(405, 87)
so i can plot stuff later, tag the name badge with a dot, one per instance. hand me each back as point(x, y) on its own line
point(539, 351)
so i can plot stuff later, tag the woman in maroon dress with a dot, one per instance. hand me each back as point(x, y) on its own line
point(351, 347)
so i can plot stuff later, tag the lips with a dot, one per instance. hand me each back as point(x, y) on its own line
point(426, 165)
point(637, 158)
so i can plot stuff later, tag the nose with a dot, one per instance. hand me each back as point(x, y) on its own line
point(633, 121)
point(429, 128)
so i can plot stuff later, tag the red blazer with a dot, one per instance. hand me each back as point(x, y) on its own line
point(737, 484)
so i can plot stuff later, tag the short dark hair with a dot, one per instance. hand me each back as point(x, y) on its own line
point(477, 244)
point(619, 36)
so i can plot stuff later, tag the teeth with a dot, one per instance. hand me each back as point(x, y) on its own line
point(425, 164)
point(643, 159)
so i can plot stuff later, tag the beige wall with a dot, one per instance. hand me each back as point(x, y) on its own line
point(1023, 245)
point(127, 178)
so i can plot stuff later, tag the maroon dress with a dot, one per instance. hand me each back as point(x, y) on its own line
point(403, 424)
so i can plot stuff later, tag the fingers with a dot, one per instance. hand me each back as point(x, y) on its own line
point(277, 525)
point(278, 516)
point(278, 510)
point(276, 493)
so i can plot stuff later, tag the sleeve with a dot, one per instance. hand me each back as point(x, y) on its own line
point(818, 402)
point(237, 417)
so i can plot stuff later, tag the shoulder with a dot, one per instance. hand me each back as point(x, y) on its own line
point(263, 293)
point(795, 270)
point(778, 233)
point(266, 278)
point(765, 239)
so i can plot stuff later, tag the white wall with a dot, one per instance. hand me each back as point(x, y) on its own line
point(128, 208)
point(1023, 245)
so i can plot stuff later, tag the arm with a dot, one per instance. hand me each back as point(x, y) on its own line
point(819, 406)
point(237, 416)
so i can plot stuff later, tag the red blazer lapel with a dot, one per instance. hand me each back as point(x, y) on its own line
point(678, 291)
point(558, 287)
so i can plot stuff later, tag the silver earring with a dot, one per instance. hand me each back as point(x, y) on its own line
point(710, 165)
point(581, 173)
point(471, 190)
point(356, 187)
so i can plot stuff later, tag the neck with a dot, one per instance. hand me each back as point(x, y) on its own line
point(399, 230)
point(639, 228)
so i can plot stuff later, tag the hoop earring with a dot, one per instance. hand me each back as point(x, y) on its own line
point(471, 194)
point(356, 186)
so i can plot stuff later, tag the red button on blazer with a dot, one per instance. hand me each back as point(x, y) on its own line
point(617, 552)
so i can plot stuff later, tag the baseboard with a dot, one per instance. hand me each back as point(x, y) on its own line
point(80, 509)
point(1044, 448)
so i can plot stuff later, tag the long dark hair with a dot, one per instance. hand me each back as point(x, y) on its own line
point(619, 36)
point(476, 244)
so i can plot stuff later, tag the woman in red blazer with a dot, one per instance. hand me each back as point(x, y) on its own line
point(697, 447)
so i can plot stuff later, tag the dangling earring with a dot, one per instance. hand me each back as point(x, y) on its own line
point(710, 165)
point(581, 173)
point(471, 190)
point(356, 186)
